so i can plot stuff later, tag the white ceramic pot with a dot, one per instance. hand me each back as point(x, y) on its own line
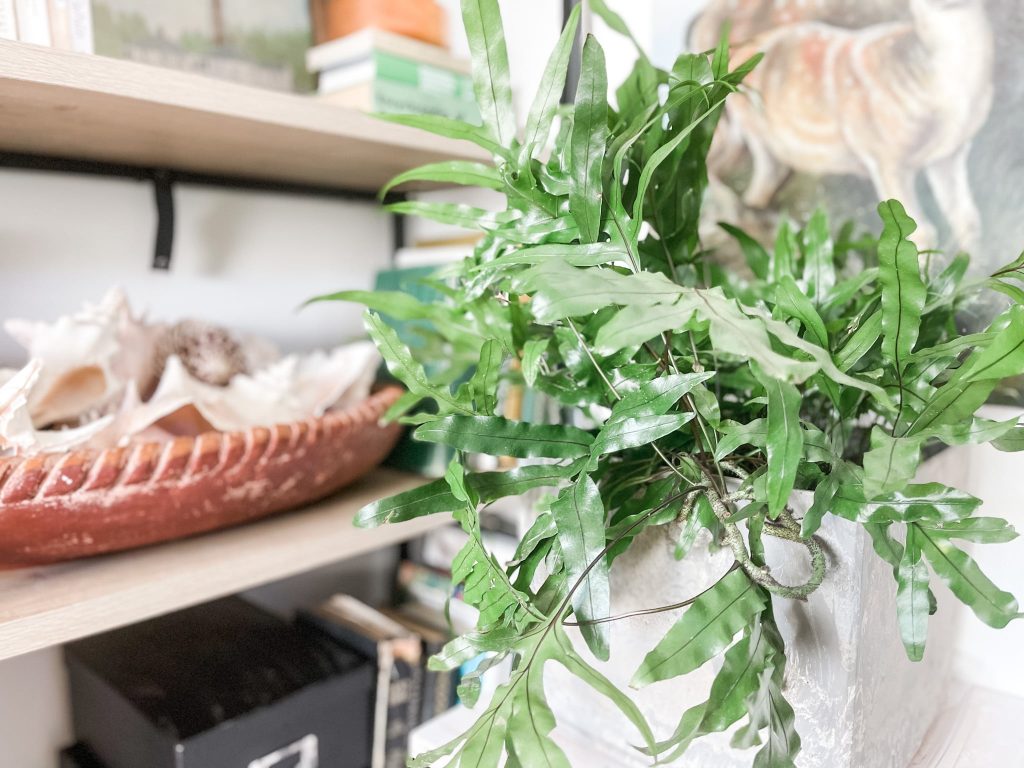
point(859, 702)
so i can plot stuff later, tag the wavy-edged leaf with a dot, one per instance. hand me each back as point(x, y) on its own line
point(819, 258)
point(430, 499)
point(654, 398)
point(736, 681)
point(561, 291)
point(972, 432)
point(792, 302)
point(903, 290)
point(462, 172)
point(552, 83)
point(400, 362)
point(533, 353)
point(497, 436)
point(891, 463)
point(484, 383)
point(615, 23)
point(974, 381)
point(1011, 442)
point(861, 342)
point(491, 83)
point(531, 723)
point(456, 215)
point(704, 631)
point(767, 706)
point(580, 518)
point(757, 257)
point(820, 506)
point(632, 326)
point(965, 580)
point(912, 603)
point(450, 129)
point(983, 530)
point(487, 588)
point(620, 434)
point(575, 254)
point(589, 141)
point(543, 528)
point(929, 501)
point(660, 156)
point(785, 440)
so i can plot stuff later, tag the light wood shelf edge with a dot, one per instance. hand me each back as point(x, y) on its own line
point(65, 104)
point(51, 605)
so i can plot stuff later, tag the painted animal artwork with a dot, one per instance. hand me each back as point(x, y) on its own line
point(891, 101)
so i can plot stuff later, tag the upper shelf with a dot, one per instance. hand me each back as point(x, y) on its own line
point(50, 605)
point(69, 105)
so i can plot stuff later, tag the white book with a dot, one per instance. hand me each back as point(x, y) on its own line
point(358, 47)
point(8, 24)
point(33, 21)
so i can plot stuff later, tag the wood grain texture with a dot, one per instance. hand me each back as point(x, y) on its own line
point(63, 104)
point(50, 605)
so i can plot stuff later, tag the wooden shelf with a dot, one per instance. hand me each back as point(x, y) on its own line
point(46, 606)
point(60, 104)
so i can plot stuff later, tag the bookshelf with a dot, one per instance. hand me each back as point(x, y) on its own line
point(50, 605)
point(60, 104)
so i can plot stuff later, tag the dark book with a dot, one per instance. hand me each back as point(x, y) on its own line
point(439, 687)
point(398, 655)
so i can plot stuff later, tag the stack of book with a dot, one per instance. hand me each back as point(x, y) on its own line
point(380, 71)
point(399, 641)
point(63, 24)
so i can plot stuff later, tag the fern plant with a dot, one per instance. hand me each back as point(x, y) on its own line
point(829, 366)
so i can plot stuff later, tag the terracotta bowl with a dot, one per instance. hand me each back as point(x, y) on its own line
point(62, 506)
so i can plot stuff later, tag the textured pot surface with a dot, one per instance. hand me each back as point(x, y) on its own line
point(859, 701)
point(57, 507)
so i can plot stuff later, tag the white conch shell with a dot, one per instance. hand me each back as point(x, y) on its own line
point(18, 435)
point(87, 358)
point(293, 389)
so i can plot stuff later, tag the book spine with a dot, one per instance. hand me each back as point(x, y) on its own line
point(381, 705)
point(33, 21)
point(80, 26)
point(403, 709)
point(395, 97)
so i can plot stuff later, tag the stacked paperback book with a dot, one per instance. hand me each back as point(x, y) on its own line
point(380, 71)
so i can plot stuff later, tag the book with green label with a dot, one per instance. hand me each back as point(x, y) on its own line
point(379, 71)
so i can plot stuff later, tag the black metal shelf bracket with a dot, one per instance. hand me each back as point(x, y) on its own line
point(164, 179)
point(163, 190)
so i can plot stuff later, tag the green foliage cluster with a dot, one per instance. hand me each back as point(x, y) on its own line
point(829, 368)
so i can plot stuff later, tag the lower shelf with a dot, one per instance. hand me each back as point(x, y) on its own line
point(46, 606)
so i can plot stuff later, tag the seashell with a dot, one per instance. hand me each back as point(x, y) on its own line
point(87, 359)
point(294, 388)
point(209, 353)
point(17, 433)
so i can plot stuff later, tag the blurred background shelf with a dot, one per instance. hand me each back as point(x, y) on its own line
point(67, 105)
point(47, 606)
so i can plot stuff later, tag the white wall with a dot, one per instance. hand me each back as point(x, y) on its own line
point(242, 259)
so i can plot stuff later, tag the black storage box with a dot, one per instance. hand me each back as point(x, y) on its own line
point(79, 756)
point(222, 685)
